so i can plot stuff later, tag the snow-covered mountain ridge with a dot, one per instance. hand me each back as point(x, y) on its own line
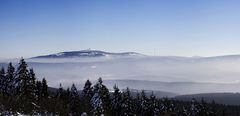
point(87, 53)
point(98, 53)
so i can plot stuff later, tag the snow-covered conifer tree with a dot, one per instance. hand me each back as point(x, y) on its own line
point(116, 101)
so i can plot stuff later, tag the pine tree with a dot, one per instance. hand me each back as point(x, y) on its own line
point(75, 106)
point(44, 90)
point(62, 101)
point(60, 91)
point(97, 104)
point(39, 90)
point(2, 81)
point(203, 108)
point(32, 77)
point(10, 79)
point(87, 94)
point(22, 77)
point(213, 109)
point(153, 107)
point(8, 89)
point(193, 108)
point(127, 104)
point(31, 89)
point(42, 95)
point(24, 88)
point(3, 98)
point(100, 100)
point(38, 93)
point(172, 107)
point(32, 85)
point(116, 101)
point(164, 106)
point(137, 101)
point(88, 90)
point(183, 111)
point(144, 104)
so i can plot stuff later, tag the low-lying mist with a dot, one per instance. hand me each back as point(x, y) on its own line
point(174, 72)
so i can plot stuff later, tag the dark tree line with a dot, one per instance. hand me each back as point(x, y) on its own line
point(22, 93)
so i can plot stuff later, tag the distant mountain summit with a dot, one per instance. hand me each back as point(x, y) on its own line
point(87, 53)
point(99, 53)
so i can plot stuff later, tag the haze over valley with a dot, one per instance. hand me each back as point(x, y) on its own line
point(180, 75)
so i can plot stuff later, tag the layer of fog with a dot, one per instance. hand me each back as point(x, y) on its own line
point(161, 69)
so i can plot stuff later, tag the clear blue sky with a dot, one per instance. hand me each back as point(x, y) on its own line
point(171, 27)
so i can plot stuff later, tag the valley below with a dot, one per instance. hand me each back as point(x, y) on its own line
point(173, 74)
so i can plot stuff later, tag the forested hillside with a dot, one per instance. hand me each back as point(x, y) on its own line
point(22, 93)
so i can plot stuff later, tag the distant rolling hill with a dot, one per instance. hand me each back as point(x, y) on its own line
point(220, 98)
point(85, 53)
point(158, 94)
point(179, 88)
point(99, 53)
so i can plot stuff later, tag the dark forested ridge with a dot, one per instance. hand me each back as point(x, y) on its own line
point(221, 98)
point(22, 93)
